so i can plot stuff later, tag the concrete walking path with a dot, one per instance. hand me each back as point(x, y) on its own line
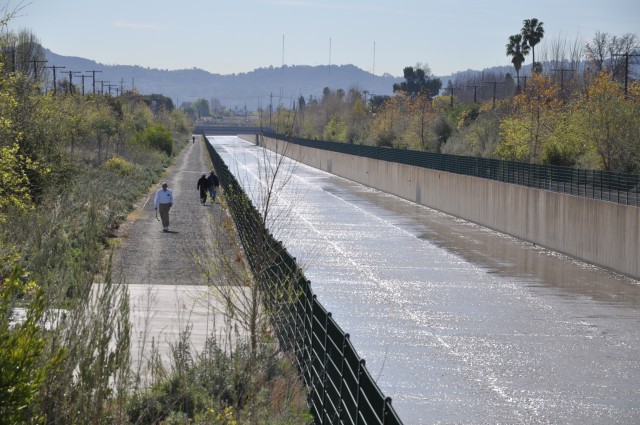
point(168, 293)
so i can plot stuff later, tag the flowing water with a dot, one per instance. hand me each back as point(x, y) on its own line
point(457, 323)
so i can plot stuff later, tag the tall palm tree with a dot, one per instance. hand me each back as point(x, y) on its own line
point(532, 32)
point(517, 48)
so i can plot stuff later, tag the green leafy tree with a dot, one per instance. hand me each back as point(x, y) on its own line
point(565, 145)
point(158, 102)
point(14, 182)
point(524, 133)
point(201, 106)
point(21, 344)
point(610, 123)
point(532, 33)
point(336, 129)
point(419, 80)
point(157, 137)
point(358, 122)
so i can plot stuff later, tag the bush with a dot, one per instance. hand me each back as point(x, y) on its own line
point(119, 165)
point(214, 388)
point(157, 137)
point(20, 347)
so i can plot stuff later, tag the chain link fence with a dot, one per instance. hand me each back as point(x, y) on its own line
point(609, 186)
point(341, 389)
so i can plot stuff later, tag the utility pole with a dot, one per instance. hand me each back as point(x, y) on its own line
point(562, 71)
point(524, 77)
point(109, 86)
point(475, 88)
point(83, 77)
point(93, 75)
point(451, 89)
point(626, 68)
point(495, 83)
point(71, 79)
point(270, 106)
point(102, 85)
point(55, 90)
point(35, 68)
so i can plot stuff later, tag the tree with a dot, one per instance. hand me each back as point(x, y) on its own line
point(419, 80)
point(610, 124)
point(335, 130)
point(524, 135)
point(517, 48)
point(27, 55)
point(158, 102)
point(202, 108)
point(157, 137)
point(607, 52)
point(532, 33)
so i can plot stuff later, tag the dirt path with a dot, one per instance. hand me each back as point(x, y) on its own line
point(166, 287)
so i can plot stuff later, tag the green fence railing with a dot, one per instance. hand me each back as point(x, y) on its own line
point(610, 186)
point(341, 389)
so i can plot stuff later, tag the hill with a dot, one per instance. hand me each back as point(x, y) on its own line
point(258, 88)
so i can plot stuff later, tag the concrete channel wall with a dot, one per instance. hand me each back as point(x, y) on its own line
point(598, 232)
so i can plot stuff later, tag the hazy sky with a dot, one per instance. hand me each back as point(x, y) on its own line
point(380, 36)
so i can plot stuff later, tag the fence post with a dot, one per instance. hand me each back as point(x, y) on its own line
point(361, 366)
point(310, 340)
point(386, 409)
point(342, 362)
point(324, 366)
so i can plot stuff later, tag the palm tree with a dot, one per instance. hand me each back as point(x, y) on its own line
point(517, 48)
point(532, 32)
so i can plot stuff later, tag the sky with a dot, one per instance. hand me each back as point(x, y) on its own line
point(378, 36)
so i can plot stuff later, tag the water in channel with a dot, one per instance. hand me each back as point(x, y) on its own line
point(457, 323)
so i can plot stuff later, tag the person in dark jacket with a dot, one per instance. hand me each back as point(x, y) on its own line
point(203, 187)
point(213, 185)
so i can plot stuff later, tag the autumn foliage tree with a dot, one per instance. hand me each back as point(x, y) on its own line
point(524, 133)
point(609, 123)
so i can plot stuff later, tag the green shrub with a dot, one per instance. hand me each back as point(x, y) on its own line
point(157, 137)
point(119, 165)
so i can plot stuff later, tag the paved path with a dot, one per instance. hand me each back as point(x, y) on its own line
point(168, 292)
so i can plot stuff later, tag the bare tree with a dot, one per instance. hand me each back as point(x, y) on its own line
point(562, 60)
point(242, 279)
point(607, 52)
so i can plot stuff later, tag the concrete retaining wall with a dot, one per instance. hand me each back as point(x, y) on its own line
point(602, 233)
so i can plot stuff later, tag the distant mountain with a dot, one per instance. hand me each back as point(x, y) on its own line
point(261, 87)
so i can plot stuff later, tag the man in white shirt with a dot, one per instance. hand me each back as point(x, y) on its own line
point(163, 203)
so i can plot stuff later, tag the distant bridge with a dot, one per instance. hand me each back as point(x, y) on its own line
point(229, 130)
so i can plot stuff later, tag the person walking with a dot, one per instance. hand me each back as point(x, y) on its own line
point(214, 182)
point(203, 187)
point(163, 203)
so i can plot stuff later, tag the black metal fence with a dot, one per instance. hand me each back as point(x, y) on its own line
point(605, 185)
point(341, 389)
